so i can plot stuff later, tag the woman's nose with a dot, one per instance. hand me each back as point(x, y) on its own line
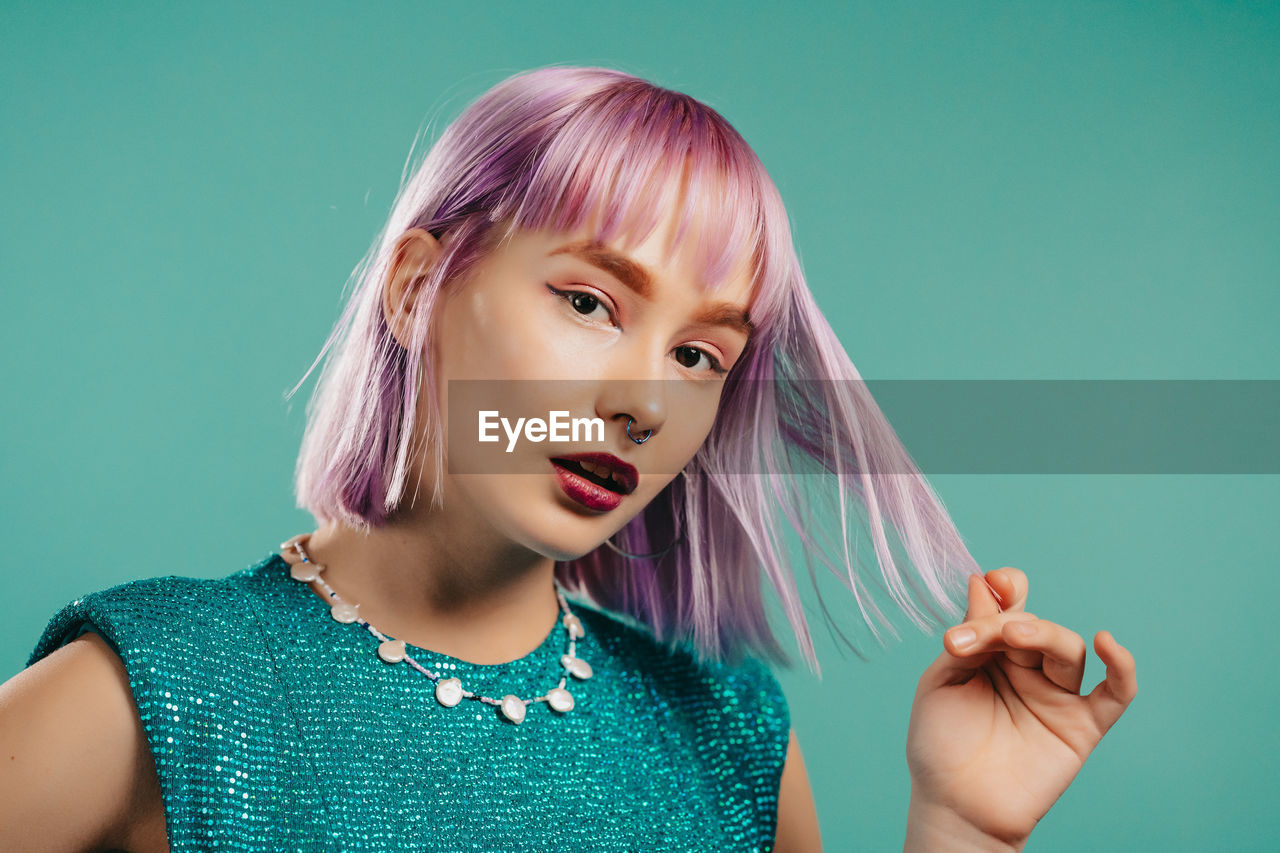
point(634, 385)
point(637, 405)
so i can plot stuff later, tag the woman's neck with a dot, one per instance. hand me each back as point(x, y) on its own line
point(449, 585)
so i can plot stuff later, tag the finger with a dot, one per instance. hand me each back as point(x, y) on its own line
point(1011, 585)
point(946, 669)
point(1061, 650)
point(978, 636)
point(1113, 694)
point(960, 658)
point(981, 600)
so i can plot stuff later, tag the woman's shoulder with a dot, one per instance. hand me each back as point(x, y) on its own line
point(162, 609)
point(202, 684)
point(72, 729)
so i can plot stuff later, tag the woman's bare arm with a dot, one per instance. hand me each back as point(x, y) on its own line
point(797, 816)
point(75, 770)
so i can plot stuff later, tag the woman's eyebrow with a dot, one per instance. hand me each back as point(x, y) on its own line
point(724, 314)
point(637, 278)
point(625, 270)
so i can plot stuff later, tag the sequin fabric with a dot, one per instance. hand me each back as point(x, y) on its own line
point(274, 727)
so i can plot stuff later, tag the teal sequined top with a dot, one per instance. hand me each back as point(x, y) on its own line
point(275, 727)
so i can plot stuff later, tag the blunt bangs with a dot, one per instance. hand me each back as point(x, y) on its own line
point(677, 153)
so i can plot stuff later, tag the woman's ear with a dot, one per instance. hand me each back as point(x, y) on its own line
point(415, 252)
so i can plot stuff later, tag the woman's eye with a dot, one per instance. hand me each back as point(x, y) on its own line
point(583, 303)
point(691, 357)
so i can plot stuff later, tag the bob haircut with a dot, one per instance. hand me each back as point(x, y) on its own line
point(548, 149)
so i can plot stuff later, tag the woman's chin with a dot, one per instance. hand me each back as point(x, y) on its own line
point(564, 540)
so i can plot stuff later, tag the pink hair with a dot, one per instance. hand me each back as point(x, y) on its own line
point(548, 149)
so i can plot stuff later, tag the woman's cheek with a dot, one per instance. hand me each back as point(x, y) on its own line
point(565, 351)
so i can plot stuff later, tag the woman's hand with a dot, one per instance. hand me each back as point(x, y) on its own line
point(998, 727)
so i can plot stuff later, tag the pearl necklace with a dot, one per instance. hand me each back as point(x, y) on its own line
point(449, 691)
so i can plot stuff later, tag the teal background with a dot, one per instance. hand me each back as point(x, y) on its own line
point(979, 190)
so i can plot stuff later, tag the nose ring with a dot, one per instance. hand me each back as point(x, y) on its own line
point(647, 433)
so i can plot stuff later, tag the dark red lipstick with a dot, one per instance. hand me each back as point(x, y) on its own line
point(598, 481)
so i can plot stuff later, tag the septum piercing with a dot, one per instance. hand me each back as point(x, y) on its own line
point(647, 433)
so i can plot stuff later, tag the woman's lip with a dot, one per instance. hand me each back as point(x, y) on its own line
point(626, 472)
point(585, 492)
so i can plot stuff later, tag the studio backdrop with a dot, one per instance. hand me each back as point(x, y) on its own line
point(1082, 196)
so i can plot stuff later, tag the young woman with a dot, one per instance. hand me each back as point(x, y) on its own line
point(552, 641)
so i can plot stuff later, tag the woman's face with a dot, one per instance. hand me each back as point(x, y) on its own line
point(551, 322)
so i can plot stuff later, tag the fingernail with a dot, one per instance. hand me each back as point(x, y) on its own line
point(1026, 629)
point(963, 637)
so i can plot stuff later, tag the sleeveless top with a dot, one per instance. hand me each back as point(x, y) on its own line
point(275, 727)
